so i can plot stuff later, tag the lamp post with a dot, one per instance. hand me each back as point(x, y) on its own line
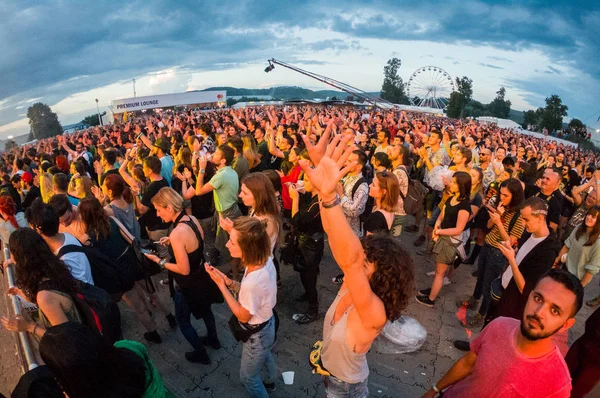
point(98, 108)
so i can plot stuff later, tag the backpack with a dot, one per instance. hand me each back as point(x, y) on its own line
point(106, 273)
point(148, 268)
point(98, 311)
point(95, 307)
point(370, 201)
point(415, 195)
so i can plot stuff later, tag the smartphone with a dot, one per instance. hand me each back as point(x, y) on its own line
point(146, 251)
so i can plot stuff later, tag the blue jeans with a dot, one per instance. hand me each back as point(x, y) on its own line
point(183, 316)
point(256, 355)
point(491, 265)
point(335, 388)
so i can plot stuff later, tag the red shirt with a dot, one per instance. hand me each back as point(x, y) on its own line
point(502, 371)
point(292, 177)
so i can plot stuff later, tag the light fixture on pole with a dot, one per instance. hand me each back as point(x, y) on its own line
point(134, 88)
point(98, 108)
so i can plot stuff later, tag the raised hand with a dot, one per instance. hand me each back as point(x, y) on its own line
point(331, 167)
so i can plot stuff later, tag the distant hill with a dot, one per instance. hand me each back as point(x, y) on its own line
point(283, 92)
point(517, 116)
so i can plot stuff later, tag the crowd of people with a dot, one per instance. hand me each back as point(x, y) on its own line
point(93, 218)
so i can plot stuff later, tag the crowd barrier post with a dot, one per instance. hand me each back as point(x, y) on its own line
point(23, 338)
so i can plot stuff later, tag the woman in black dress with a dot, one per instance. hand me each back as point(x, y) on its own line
point(385, 189)
point(194, 292)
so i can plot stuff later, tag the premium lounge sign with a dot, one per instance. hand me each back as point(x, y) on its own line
point(166, 100)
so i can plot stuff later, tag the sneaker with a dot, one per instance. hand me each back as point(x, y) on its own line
point(270, 387)
point(425, 292)
point(593, 302)
point(425, 301)
point(431, 273)
point(473, 321)
point(462, 345)
point(303, 319)
point(153, 337)
point(338, 280)
point(214, 343)
point(172, 321)
point(198, 356)
point(447, 281)
point(471, 303)
point(411, 228)
point(420, 240)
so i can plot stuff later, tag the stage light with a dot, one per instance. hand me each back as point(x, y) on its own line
point(269, 68)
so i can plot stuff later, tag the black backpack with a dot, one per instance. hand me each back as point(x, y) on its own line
point(107, 274)
point(415, 195)
point(99, 311)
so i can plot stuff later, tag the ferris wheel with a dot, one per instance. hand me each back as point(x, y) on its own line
point(430, 86)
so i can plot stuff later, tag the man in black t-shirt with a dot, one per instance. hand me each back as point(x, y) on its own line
point(548, 191)
point(154, 224)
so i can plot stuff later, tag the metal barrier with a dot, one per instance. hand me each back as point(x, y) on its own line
point(16, 304)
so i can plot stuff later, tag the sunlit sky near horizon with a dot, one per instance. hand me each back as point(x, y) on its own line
point(68, 54)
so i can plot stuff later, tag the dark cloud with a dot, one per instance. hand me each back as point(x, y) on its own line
point(54, 49)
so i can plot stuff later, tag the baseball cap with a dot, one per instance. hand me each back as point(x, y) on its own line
point(162, 144)
point(27, 177)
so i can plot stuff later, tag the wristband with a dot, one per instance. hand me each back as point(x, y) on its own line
point(328, 205)
point(162, 262)
point(139, 135)
point(202, 171)
point(434, 388)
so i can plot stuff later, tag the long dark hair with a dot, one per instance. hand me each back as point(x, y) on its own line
point(87, 366)
point(264, 198)
point(593, 236)
point(95, 219)
point(35, 263)
point(463, 180)
point(393, 280)
point(515, 187)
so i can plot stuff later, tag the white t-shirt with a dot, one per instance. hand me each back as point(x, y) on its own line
point(523, 251)
point(258, 293)
point(77, 263)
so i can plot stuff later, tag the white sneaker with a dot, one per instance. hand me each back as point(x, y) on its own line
point(447, 281)
point(431, 273)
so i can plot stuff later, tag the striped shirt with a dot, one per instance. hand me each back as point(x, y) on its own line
point(493, 238)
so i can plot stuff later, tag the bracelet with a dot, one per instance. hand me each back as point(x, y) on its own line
point(139, 135)
point(434, 388)
point(162, 262)
point(328, 205)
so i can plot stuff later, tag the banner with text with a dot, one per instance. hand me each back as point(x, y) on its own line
point(166, 100)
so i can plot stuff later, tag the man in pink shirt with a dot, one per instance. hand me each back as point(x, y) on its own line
point(512, 358)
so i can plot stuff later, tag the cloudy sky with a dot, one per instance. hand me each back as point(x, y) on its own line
point(67, 54)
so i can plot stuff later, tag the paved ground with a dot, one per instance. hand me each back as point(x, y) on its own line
point(405, 375)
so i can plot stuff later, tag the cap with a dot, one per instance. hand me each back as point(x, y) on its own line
point(27, 177)
point(162, 144)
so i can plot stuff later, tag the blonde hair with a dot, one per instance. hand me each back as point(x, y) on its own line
point(168, 197)
point(86, 186)
point(253, 240)
point(46, 188)
point(250, 151)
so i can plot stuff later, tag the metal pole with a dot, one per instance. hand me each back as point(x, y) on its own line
point(98, 109)
point(133, 88)
point(29, 357)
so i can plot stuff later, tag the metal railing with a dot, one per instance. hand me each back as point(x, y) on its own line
point(26, 348)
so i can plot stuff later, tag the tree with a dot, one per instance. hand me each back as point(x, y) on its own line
point(460, 98)
point(92, 120)
point(530, 118)
point(552, 115)
point(464, 86)
point(456, 105)
point(393, 88)
point(500, 107)
point(44, 123)
point(10, 144)
point(576, 124)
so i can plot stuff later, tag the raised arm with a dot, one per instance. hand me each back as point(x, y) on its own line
point(345, 245)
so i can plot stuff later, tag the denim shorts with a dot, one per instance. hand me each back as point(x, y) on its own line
point(336, 388)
